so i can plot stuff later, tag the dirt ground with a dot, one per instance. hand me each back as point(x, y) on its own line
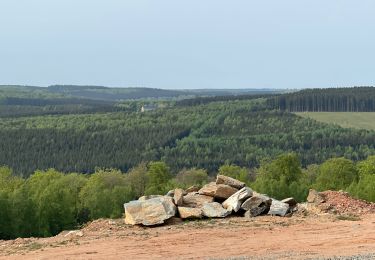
point(297, 237)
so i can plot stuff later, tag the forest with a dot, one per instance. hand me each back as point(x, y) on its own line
point(241, 132)
point(50, 201)
point(356, 99)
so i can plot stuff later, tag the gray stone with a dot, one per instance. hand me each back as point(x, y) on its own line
point(214, 210)
point(222, 179)
point(190, 213)
point(196, 200)
point(278, 208)
point(178, 197)
point(255, 201)
point(170, 193)
point(290, 201)
point(220, 191)
point(257, 211)
point(149, 212)
point(233, 203)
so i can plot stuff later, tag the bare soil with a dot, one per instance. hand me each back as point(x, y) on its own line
point(314, 236)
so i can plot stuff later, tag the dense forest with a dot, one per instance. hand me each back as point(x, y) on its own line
point(242, 132)
point(49, 202)
point(357, 99)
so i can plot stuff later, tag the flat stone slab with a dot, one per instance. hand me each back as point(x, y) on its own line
point(214, 210)
point(220, 191)
point(222, 179)
point(149, 212)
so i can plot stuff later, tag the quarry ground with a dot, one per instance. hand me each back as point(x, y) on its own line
point(315, 236)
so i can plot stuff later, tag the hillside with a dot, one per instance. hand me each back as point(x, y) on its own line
point(358, 120)
point(241, 132)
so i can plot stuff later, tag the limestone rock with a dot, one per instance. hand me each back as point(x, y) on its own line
point(196, 200)
point(74, 233)
point(149, 212)
point(170, 193)
point(193, 188)
point(178, 197)
point(222, 179)
point(214, 210)
point(220, 191)
point(233, 203)
point(315, 197)
point(186, 212)
point(255, 201)
point(278, 208)
point(143, 198)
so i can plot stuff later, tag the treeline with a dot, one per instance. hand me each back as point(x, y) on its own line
point(50, 201)
point(205, 100)
point(241, 132)
point(356, 99)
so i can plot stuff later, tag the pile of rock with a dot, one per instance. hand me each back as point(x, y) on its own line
point(217, 199)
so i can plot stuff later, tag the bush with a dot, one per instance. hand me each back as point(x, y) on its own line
point(158, 177)
point(336, 174)
point(236, 172)
point(190, 177)
point(105, 193)
point(282, 178)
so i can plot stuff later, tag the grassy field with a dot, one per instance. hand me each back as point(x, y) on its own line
point(359, 120)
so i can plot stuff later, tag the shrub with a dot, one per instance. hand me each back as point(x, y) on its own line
point(336, 174)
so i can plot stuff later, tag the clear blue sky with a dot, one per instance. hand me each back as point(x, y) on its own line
point(188, 44)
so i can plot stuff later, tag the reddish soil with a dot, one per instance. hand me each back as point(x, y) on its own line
point(266, 237)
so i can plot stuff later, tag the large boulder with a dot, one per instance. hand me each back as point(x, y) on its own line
point(233, 203)
point(214, 210)
point(256, 205)
point(149, 212)
point(255, 201)
point(178, 197)
point(196, 200)
point(190, 213)
point(222, 179)
point(220, 191)
point(278, 208)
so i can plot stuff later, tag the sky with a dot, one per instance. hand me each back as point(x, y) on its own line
point(188, 44)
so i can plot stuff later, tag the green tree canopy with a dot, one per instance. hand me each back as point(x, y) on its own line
point(336, 174)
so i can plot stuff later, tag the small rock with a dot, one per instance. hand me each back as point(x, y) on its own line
point(196, 200)
point(233, 203)
point(290, 201)
point(278, 208)
point(315, 197)
point(214, 210)
point(170, 193)
point(186, 212)
point(220, 191)
point(149, 212)
point(222, 179)
point(256, 211)
point(144, 198)
point(178, 197)
point(74, 233)
point(193, 188)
